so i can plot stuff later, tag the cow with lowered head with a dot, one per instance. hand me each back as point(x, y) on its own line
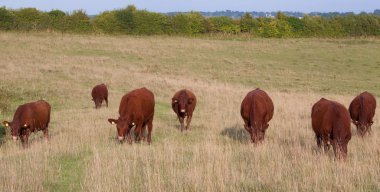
point(331, 124)
point(257, 110)
point(99, 93)
point(136, 110)
point(362, 109)
point(183, 104)
point(28, 118)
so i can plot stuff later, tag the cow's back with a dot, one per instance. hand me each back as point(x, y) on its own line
point(142, 101)
point(99, 91)
point(330, 117)
point(362, 105)
point(259, 102)
point(34, 113)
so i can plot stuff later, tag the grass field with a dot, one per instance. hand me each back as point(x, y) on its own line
point(216, 155)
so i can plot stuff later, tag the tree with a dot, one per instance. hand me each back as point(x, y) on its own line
point(7, 19)
point(247, 23)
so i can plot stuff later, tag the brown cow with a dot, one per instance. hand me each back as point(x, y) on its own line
point(99, 93)
point(257, 110)
point(362, 109)
point(183, 104)
point(136, 109)
point(28, 118)
point(331, 123)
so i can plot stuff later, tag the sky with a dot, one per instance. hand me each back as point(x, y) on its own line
point(93, 7)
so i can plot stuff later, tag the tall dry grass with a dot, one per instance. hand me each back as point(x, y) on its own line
point(216, 155)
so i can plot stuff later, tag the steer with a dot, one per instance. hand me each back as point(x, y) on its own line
point(257, 110)
point(28, 118)
point(362, 109)
point(331, 124)
point(183, 104)
point(99, 93)
point(136, 109)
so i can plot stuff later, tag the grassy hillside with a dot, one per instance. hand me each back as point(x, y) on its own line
point(216, 155)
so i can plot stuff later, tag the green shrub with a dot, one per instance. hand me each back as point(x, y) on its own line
point(7, 19)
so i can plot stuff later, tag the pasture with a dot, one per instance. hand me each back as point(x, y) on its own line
point(216, 155)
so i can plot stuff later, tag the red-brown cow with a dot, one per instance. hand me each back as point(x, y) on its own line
point(28, 118)
point(257, 110)
point(99, 93)
point(331, 123)
point(136, 109)
point(183, 104)
point(362, 109)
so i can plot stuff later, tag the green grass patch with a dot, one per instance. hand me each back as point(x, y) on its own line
point(70, 170)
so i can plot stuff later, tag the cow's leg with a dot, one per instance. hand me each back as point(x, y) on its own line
point(137, 131)
point(319, 140)
point(150, 127)
point(181, 120)
point(25, 137)
point(129, 137)
point(337, 149)
point(46, 133)
point(188, 120)
point(106, 101)
point(247, 126)
point(142, 133)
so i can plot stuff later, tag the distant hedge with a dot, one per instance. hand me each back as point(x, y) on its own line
point(141, 22)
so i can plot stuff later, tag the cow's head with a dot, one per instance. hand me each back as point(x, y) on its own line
point(16, 127)
point(181, 103)
point(341, 148)
point(122, 126)
point(362, 126)
point(258, 133)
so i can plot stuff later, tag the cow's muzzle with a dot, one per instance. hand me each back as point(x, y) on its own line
point(183, 110)
point(120, 138)
point(14, 138)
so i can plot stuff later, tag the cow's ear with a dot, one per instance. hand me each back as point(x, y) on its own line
point(113, 121)
point(6, 124)
point(174, 100)
point(190, 101)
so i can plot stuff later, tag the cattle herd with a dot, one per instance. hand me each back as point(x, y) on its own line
point(331, 121)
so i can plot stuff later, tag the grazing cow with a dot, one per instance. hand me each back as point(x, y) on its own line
point(136, 109)
point(331, 123)
point(183, 104)
point(362, 109)
point(28, 118)
point(257, 110)
point(99, 93)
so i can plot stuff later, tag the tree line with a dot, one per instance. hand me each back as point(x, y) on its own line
point(130, 20)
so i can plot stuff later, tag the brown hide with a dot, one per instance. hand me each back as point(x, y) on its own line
point(136, 109)
point(183, 104)
point(99, 93)
point(362, 110)
point(331, 123)
point(28, 118)
point(257, 110)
